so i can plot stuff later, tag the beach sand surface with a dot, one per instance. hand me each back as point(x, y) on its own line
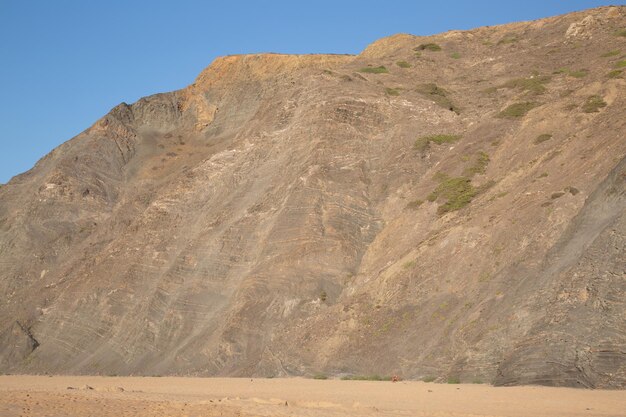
point(56, 396)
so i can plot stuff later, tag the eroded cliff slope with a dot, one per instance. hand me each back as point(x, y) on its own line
point(450, 206)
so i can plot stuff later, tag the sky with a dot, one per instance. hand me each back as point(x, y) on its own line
point(66, 63)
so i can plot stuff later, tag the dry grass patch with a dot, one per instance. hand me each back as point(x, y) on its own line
point(610, 53)
point(438, 95)
point(479, 166)
point(534, 84)
point(593, 104)
point(415, 204)
point(542, 138)
point(508, 39)
point(614, 74)
point(582, 73)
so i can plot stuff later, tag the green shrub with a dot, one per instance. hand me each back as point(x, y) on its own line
point(534, 85)
point(620, 64)
point(457, 191)
point(542, 138)
point(438, 95)
point(403, 64)
point(455, 55)
point(593, 104)
point(323, 296)
point(621, 33)
point(374, 70)
point(454, 380)
point(614, 74)
point(428, 47)
point(392, 91)
point(418, 54)
point(610, 53)
point(517, 109)
point(423, 142)
point(320, 376)
point(556, 195)
point(543, 175)
point(428, 378)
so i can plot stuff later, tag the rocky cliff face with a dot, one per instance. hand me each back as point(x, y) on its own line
point(451, 206)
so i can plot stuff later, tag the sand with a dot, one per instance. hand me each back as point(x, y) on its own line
point(139, 396)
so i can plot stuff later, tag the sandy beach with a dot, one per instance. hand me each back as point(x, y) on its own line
point(58, 396)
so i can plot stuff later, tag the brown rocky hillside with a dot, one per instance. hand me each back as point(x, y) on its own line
point(451, 207)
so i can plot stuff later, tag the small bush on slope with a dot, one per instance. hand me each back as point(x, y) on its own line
point(593, 104)
point(422, 143)
point(433, 47)
point(374, 70)
point(517, 110)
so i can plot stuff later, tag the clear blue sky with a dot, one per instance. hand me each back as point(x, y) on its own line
point(64, 64)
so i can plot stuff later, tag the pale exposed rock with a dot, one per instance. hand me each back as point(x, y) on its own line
point(582, 29)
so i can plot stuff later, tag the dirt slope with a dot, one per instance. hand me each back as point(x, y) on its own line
point(449, 206)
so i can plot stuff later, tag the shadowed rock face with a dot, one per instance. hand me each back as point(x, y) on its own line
point(294, 215)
